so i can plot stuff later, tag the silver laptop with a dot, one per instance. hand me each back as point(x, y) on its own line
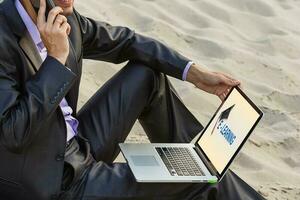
point(208, 159)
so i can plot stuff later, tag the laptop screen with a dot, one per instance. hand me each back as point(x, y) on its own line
point(229, 129)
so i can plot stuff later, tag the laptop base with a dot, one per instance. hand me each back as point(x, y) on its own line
point(148, 167)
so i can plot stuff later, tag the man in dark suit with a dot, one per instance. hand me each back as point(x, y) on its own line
point(48, 150)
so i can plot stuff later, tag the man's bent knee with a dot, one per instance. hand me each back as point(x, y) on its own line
point(141, 71)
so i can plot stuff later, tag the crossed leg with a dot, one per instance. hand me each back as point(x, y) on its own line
point(137, 92)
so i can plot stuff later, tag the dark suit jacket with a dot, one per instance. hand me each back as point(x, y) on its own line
point(32, 127)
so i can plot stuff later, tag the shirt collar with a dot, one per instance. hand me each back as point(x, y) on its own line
point(31, 27)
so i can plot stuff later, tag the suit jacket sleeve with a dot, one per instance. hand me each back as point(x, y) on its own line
point(116, 44)
point(23, 113)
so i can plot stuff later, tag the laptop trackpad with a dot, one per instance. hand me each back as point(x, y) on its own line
point(141, 160)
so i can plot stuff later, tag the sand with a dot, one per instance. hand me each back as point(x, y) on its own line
point(256, 41)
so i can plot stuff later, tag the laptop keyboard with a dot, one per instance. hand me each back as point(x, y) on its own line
point(179, 161)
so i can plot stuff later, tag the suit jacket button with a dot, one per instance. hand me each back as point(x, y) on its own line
point(60, 157)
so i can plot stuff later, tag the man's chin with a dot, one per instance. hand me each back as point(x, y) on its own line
point(68, 11)
point(66, 5)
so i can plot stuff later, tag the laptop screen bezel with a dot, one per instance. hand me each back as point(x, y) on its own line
point(220, 175)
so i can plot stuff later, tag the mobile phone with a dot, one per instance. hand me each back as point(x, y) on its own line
point(36, 5)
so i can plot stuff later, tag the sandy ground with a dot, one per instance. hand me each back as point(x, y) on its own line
point(256, 41)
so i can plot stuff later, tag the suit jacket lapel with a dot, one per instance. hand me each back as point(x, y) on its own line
point(30, 50)
point(71, 62)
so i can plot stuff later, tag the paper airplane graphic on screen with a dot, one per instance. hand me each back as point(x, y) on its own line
point(224, 115)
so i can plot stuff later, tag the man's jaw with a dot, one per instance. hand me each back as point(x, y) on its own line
point(64, 3)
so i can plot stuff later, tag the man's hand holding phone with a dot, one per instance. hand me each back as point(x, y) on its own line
point(54, 32)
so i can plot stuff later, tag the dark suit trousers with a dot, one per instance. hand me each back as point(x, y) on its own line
point(135, 92)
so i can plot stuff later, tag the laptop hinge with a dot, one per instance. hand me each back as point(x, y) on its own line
point(209, 166)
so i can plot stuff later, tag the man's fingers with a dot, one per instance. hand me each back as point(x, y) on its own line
point(60, 19)
point(65, 27)
point(223, 97)
point(41, 18)
point(234, 81)
point(53, 14)
point(229, 81)
point(69, 30)
point(222, 92)
point(226, 80)
point(62, 22)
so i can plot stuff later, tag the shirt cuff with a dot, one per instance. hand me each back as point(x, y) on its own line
point(186, 70)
